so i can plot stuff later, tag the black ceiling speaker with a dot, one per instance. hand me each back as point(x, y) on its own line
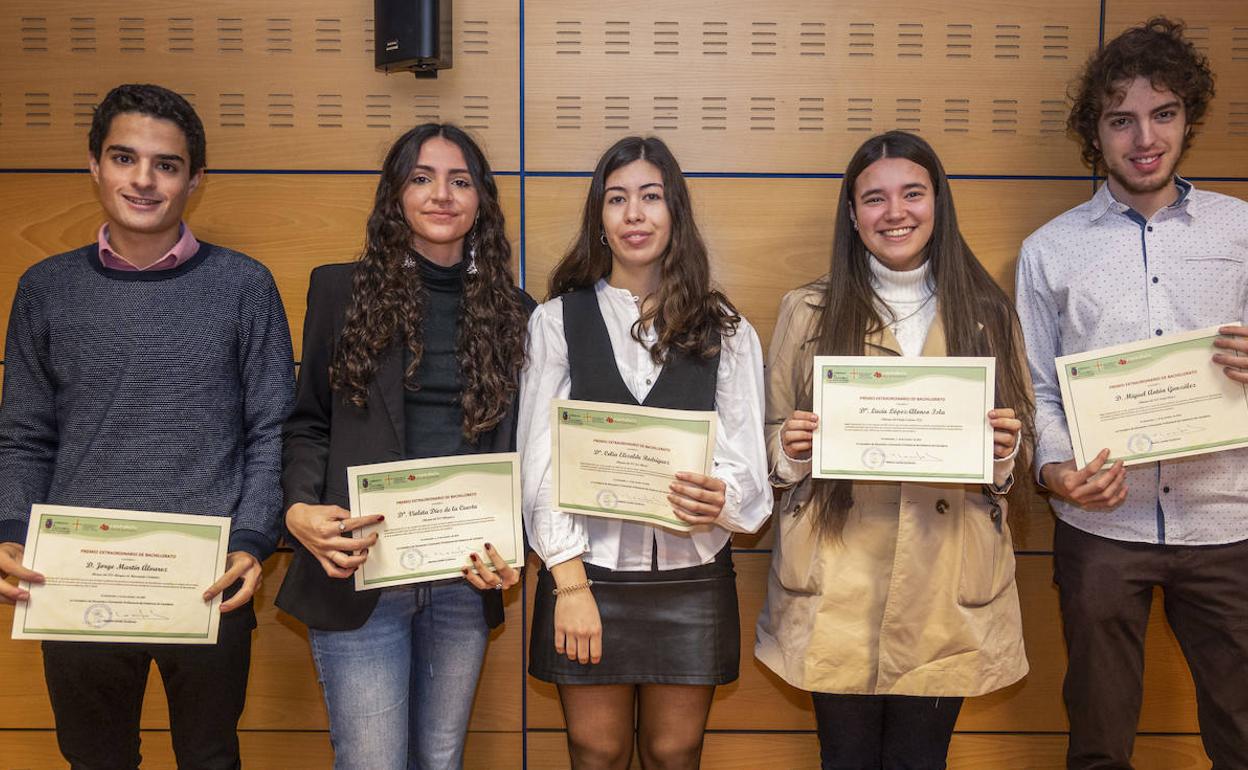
point(412, 35)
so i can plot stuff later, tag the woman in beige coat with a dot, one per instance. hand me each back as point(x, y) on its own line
point(891, 601)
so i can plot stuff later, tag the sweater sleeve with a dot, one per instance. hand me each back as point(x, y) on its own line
point(28, 432)
point(267, 390)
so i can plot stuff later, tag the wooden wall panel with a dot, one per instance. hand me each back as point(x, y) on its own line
point(36, 750)
point(1219, 29)
point(291, 223)
point(772, 91)
point(284, 84)
point(789, 751)
point(794, 87)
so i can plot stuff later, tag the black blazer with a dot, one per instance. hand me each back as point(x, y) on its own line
point(325, 434)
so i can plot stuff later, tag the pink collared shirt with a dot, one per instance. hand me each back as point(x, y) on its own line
point(184, 249)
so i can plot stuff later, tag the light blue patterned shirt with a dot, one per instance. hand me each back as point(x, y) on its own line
point(1101, 275)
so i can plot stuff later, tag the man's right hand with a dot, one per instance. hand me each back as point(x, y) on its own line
point(11, 564)
point(325, 531)
point(1093, 487)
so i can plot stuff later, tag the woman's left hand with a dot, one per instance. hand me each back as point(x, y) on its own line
point(1005, 430)
point(502, 577)
point(695, 498)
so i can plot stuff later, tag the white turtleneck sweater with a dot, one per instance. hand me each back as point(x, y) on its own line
point(907, 299)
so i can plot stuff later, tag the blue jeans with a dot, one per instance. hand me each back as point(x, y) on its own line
point(399, 689)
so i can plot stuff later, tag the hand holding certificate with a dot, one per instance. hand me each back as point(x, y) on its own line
point(121, 576)
point(1152, 400)
point(437, 511)
point(905, 418)
point(620, 461)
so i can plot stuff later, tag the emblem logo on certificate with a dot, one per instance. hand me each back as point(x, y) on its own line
point(903, 418)
point(122, 576)
point(1152, 400)
point(616, 461)
point(438, 510)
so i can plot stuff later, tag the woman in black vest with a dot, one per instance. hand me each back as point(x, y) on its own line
point(637, 624)
point(414, 350)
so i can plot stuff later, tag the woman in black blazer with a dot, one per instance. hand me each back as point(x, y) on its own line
point(413, 351)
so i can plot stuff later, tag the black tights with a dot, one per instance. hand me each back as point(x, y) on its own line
point(667, 721)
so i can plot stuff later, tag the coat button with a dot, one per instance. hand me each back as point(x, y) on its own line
point(942, 505)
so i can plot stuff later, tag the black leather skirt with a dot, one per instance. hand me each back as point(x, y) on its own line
point(658, 627)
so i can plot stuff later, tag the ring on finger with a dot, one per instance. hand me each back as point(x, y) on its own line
point(342, 527)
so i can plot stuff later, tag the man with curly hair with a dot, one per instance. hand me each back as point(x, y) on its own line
point(1148, 255)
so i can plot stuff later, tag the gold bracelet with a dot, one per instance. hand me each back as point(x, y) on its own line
point(571, 588)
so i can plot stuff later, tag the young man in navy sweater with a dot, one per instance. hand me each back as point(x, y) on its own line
point(147, 371)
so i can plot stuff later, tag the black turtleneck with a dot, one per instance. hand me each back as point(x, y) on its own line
point(433, 415)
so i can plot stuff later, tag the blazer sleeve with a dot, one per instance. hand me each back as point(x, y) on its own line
point(305, 436)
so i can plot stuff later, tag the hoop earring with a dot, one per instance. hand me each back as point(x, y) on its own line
point(602, 238)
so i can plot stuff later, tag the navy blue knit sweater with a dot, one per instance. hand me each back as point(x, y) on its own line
point(161, 391)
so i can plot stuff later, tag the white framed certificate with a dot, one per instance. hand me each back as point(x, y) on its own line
point(122, 576)
point(904, 418)
point(438, 510)
point(618, 461)
point(1152, 400)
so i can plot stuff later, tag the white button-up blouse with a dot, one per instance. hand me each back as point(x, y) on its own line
point(740, 458)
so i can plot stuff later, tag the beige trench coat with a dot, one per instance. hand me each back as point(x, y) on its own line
point(913, 601)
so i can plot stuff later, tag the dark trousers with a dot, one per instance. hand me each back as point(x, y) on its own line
point(884, 732)
point(97, 695)
point(1106, 589)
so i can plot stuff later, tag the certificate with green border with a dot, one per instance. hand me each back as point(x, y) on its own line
point(904, 418)
point(1152, 400)
point(122, 576)
point(617, 461)
point(438, 511)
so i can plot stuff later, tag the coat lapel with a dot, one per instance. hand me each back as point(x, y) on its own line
point(389, 381)
point(935, 344)
point(884, 342)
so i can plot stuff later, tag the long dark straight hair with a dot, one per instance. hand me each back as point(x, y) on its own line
point(687, 311)
point(979, 319)
point(387, 301)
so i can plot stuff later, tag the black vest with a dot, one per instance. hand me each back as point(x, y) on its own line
point(686, 382)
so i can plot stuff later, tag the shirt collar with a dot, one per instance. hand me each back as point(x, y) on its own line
point(186, 247)
point(1104, 201)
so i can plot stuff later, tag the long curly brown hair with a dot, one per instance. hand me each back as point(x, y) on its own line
point(1156, 50)
point(978, 317)
point(687, 312)
point(387, 299)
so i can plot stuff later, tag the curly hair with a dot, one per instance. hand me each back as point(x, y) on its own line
point(688, 311)
point(387, 300)
point(156, 102)
point(1156, 50)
